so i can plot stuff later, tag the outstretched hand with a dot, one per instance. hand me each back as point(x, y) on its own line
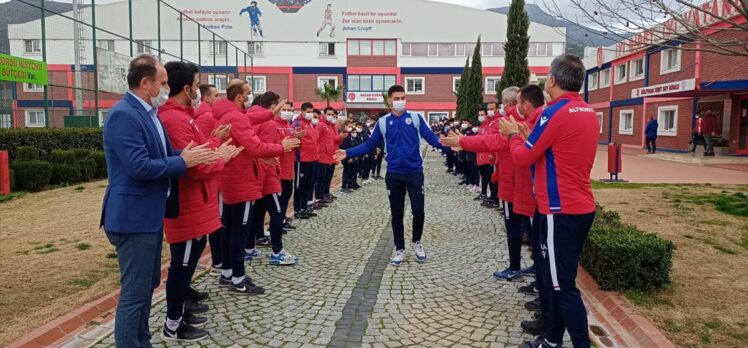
point(452, 140)
point(340, 155)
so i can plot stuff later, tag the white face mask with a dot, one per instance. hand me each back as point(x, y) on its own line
point(196, 101)
point(330, 119)
point(359, 130)
point(354, 134)
point(475, 129)
point(315, 121)
point(398, 105)
point(248, 103)
point(491, 112)
point(349, 129)
point(368, 124)
point(286, 115)
point(464, 126)
point(455, 123)
point(502, 111)
point(481, 118)
point(161, 98)
point(309, 116)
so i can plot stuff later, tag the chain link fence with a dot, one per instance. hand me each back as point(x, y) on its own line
point(88, 46)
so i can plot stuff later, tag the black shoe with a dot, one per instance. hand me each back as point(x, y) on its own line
point(223, 281)
point(194, 320)
point(537, 315)
point(527, 289)
point(264, 241)
point(288, 226)
point(310, 213)
point(319, 205)
point(480, 198)
point(247, 287)
point(301, 216)
point(285, 231)
point(196, 296)
point(184, 333)
point(449, 170)
point(195, 308)
point(534, 305)
point(539, 343)
point(490, 204)
point(326, 201)
point(534, 327)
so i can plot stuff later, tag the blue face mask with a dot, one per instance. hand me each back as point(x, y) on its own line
point(446, 129)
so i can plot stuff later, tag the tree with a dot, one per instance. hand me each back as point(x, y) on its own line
point(386, 99)
point(462, 89)
point(638, 24)
point(474, 96)
point(516, 72)
point(329, 93)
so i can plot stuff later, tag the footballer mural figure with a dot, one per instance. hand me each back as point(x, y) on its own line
point(254, 17)
point(327, 21)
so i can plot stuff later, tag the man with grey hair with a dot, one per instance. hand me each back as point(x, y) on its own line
point(143, 174)
point(562, 148)
point(509, 98)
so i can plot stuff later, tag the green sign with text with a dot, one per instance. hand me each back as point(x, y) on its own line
point(22, 70)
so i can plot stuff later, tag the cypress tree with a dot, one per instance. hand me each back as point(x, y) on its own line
point(516, 72)
point(462, 89)
point(475, 93)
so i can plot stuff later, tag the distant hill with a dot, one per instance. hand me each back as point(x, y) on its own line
point(15, 12)
point(577, 36)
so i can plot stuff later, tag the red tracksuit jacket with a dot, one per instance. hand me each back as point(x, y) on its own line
point(562, 148)
point(204, 119)
point(309, 149)
point(267, 132)
point(329, 141)
point(198, 202)
point(489, 126)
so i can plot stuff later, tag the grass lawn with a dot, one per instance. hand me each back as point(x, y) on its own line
point(707, 305)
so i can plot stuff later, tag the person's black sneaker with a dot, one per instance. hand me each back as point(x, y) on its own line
point(539, 342)
point(224, 281)
point(194, 320)
point(480, 197)
point(247, 287)
point(326, 201)
point(195, 308)
point(319, 205)
point(489, 204)
point(537, 315)
point(301, 215)
point(528, 289)
point(449, 170)
point(184, 333)
point(534, 327)
point(534, 305)
point(288, 226)
point(310, 213)
point(196, 296)
point(263, 241)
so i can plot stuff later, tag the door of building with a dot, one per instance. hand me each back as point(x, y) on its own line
point(742, 147)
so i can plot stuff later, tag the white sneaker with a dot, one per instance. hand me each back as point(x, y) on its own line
point(420, 252)
point(399, 257)
point(267, 233)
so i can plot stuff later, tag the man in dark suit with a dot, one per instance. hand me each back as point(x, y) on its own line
point(143, 171)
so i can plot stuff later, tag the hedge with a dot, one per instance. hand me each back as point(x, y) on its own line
point(27, 153)
point(62, 156)
point(44, 140)
point(65, 173)
point(31, 175)
point(87, 167)
point(100, 159)
point(621, 257)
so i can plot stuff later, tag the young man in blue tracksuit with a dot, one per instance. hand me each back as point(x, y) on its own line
point(400, 133)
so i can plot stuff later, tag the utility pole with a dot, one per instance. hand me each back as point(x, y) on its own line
point(78, 52)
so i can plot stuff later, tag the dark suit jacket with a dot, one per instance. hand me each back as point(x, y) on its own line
point(140, 172)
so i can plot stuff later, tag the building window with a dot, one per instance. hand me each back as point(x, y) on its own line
point(35, 118)
point(637, 70)
point(258, 83)
point(433, 50)
point(438, 116)
point(353, 48)
point(667, 120)
point(6, 121)
point(540, 49)
point(419, 49)
point(102, 117)
point(669, 60)
point(364, 47)
point(621, 73)
point(220, 81)
point(327, 49)
point(459, 49)
point(327, 80)
point(143, 46)
point(370, 83)
point(455, 84)
point(32, 46)
point(492, 84)
point(32, 87)
point(600, 121)
point(406, 49)
point(365, 82)
point(218, 48)
point(390, 48)
point(106, 45)
point(592, 81)
point(605, 78)
point(446, 50)
point(255, 49)
point(626, 122)
point(415, 85)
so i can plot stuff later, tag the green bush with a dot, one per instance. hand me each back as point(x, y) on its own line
point(27, 153)
point(100, 159)
point(44, 140)
point(62, 156)
point(622, 258)
point(82, 153)
point(12, 180)
point(65, 173)
point(87, 168)
point(31, 175)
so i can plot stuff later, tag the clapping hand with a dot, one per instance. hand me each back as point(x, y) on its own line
point(299, 133)
point(524, 131)
point(222, 132)
point(228, 151)
point(196, 155)
point(508, 127)
point(290, 143)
